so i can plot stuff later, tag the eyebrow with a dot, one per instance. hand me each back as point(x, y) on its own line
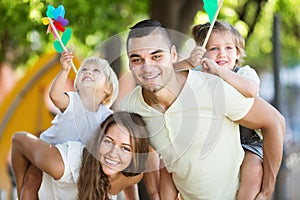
point(152, 53)
point(121, 143)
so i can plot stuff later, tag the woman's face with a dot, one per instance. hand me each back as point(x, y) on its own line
point(116, 151)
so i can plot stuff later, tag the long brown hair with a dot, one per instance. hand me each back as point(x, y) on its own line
point(93, 183)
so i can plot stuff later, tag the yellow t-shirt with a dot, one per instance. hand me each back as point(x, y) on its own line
point(197, 136)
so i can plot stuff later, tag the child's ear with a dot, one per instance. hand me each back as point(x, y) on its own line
point(108, 94)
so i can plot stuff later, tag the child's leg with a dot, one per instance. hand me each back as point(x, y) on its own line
point(251, 176)
point(32, 182)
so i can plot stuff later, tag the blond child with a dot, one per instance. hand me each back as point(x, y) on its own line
point(80, 111)
point(223, 56)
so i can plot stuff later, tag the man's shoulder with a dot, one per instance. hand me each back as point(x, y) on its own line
point(200, 79)
point(132, 98)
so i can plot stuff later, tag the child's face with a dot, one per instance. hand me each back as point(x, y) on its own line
point(222, 49)
point(116, 150)
point(90, 76)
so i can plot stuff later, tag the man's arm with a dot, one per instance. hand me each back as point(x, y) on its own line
point(272, 124)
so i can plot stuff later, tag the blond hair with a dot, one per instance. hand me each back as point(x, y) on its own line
point(111, 78)
point(200, 31)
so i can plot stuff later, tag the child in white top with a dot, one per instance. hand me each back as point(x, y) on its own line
point(222, 57)
point(80, 111)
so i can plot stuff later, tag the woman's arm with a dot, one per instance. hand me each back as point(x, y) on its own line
point(27, 148)
point(130, 187)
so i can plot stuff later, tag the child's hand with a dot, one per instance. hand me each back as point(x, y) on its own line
point(209, 66)
point(196, 56)
point(66, 59)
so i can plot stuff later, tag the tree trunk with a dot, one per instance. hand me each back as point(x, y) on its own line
point(175, 14)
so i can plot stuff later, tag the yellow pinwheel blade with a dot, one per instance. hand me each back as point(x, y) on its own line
point(45, 20)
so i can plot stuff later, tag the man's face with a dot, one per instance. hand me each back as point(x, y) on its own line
point(151, 61)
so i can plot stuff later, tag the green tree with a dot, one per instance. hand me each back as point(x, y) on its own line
point(22, 35)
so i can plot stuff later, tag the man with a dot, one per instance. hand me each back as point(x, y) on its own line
point(193, 119)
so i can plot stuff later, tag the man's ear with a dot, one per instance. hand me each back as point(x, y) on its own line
point(174, 54)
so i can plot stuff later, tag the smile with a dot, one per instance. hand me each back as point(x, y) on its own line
point(87, 79)
point(222, 62)
point(151, 76)
point(111, 162)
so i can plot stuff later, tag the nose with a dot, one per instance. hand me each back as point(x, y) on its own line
point(147, 65)
point(222, 52)
point(87, 72)
point(113, 151)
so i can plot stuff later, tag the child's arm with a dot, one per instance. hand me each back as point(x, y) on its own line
point(57, 91)
point(167, 187)
point(193, 61)
point(246, 86)
point(24, 152)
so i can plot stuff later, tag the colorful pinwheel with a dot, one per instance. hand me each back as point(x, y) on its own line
point(56, 22)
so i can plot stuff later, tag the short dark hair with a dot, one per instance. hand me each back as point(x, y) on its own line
point(147, 27)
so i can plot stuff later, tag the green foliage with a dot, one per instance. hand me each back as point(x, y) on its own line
point(23, 35)
point(255, 23)
point(290, 26)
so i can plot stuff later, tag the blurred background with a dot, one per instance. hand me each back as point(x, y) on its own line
point(28, 62)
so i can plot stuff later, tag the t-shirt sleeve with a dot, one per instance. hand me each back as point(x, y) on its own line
point(104, 112)
point(71, 153)
point(249, 73)
point(236, 105)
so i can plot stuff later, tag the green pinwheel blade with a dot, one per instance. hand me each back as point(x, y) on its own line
point(210, 7)
point(66, 36)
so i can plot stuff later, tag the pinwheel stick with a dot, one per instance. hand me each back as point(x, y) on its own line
point(61, 43)
point(212, 24)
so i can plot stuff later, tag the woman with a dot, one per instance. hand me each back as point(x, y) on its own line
point(71, 171)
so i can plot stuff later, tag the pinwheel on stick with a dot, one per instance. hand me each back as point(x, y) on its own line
point(56, 22)
point(212, 8)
